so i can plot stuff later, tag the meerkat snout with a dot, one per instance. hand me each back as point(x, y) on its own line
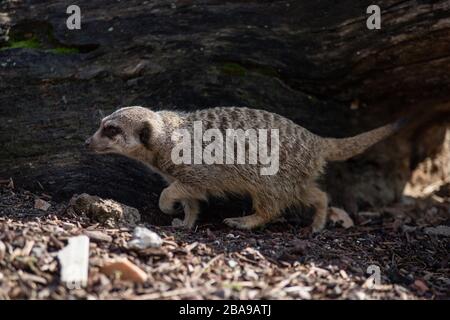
point(109, 138)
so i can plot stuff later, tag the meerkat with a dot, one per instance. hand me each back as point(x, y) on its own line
point(148, 137)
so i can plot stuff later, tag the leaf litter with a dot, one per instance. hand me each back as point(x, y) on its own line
point(215, 262)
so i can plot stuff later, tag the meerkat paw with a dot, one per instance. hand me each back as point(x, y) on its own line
point(245, 223)
point(317, 227)
point(178, 223)
point(234, 223)
point(182, 224)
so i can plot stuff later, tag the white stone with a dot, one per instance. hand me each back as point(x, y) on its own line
point(74, 259)
point(144, 238)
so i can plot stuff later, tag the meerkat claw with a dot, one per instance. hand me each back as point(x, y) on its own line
point(235, 223)
point(316, 230)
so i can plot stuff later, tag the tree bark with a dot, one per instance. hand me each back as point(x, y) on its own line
point(314, 62)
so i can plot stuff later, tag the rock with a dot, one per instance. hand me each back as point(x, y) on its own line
point(107, 211)
point(125, 268)
point(232, 263)
point(144, 238)
point(438, 231)
point(2, 250)
point(340, 216)
point(41, 204)
point(74, 260)
point(96, 235)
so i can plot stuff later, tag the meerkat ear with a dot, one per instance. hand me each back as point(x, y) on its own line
point(144, 134)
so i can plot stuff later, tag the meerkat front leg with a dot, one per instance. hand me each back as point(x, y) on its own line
point(174, 194)
point(191, 210)
point(168, 203)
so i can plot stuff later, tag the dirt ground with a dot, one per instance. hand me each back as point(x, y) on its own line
point(216, 262)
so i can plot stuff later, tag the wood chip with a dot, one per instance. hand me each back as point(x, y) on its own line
point(421, 286)
point(27, 248)
point(126, 270)
point(96, 235)
point(2, 250)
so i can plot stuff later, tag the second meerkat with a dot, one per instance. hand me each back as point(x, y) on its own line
point(147, 136)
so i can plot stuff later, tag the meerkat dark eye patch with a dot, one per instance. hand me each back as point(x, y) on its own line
point(111, 131)
point(144, 135)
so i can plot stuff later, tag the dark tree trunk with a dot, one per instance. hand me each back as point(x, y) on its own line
point(312, 61)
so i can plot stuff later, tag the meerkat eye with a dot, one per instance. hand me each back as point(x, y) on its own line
point(144, 135)
point(111, 131)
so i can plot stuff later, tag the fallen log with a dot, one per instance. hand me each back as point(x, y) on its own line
point(312, 61)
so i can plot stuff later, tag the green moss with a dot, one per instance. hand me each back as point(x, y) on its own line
point(38, 44)
point(32, 43)
point(64, 50)
point(233, 69)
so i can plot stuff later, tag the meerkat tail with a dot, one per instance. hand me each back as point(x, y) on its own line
point(343, 149)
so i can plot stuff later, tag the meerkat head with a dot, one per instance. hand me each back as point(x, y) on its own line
point(128, 131)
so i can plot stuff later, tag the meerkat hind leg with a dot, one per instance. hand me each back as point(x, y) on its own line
point(248, 222)
point(257, 219)
point(319, 200)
